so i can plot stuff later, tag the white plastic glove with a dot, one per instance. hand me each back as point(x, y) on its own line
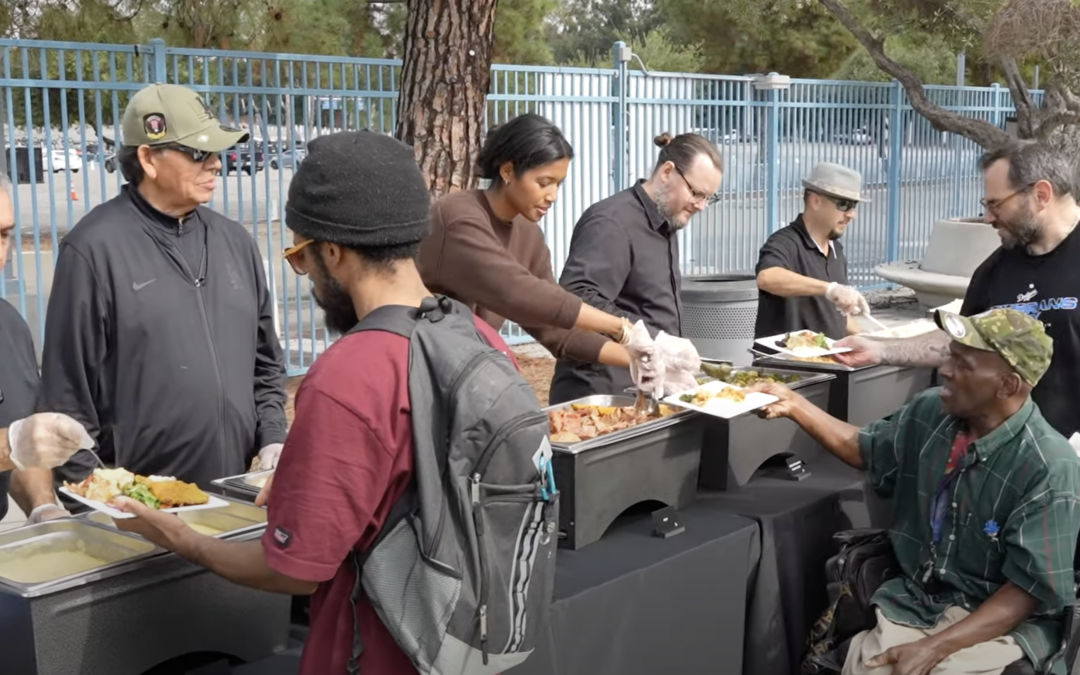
point(47, 512)
point(681, 363)
point(269, 456)
point(46, 440)
point(646, 367)
point(848, 301)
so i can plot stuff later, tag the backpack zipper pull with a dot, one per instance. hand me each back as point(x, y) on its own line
point(483, 633)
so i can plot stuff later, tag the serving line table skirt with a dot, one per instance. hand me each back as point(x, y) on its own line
point(797, 520)
point(636, 604)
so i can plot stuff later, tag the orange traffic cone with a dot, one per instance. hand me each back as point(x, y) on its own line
point(74, 196)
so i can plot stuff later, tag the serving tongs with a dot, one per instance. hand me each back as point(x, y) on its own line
point(646, 403)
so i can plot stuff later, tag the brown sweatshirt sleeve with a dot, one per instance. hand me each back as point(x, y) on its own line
point(575, 344)
point(474, 266)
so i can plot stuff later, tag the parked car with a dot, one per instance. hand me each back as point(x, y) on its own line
point(289, 159)
point(59, 160)
point(241, 158)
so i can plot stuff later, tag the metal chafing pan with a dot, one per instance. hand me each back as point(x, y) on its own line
point(232, 521)
point(617, 436)
point(245, 484)
point(805, 377)
point(116, 550)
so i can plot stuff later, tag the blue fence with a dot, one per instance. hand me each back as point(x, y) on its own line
point(61, 104)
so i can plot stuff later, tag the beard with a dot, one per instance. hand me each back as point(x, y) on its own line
point(668, 213)
point(1022, 230)
point(835, 234)
point(330, 296)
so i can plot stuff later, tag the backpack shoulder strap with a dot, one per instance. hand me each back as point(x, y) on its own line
point(402, 319)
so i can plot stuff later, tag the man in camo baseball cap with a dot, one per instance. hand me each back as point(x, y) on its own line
point(1018, 338)
point(168, 114)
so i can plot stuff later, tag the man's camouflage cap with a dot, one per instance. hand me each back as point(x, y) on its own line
point(1019, 338)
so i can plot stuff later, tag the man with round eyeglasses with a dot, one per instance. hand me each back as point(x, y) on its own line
point(802, 272)
point(159, 333)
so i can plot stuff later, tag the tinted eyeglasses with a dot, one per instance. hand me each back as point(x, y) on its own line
point(993, 205)
point(696, 194)
point(842, 205)
point(290, 255)
point(197, 156)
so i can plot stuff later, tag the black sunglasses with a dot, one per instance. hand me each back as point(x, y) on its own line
point(197, 156)
point(842, 205)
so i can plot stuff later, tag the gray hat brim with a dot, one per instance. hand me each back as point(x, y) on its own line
point(214, 138)
point(833, 191)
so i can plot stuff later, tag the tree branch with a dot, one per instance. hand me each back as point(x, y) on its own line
point(1021, 96)
point(982, 132)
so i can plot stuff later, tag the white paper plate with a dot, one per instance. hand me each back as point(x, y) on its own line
point(214, 503)
point(771, 343)
point(722, 407)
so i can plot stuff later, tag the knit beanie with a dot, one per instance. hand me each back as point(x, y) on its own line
point(358, 188)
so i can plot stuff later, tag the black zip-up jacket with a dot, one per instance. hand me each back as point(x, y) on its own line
point(159, 337)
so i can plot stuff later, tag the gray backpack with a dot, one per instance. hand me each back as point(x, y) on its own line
point(462, 571)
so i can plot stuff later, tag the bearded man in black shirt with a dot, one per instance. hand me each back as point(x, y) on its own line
point(1031, 200)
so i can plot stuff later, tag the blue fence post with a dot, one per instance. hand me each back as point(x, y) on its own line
point(773, 84)
point(618, 148)
point(896, 149)
point(157, 48)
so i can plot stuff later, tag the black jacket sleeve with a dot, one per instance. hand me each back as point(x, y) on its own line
point(75, 346)
point(269, 368)
point(598, 264)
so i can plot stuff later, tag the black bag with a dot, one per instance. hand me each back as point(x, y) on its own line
point(865, 561)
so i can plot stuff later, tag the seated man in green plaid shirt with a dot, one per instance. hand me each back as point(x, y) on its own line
point(985, 507)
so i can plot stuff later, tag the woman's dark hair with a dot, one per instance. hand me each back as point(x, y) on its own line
point(527, 141)
point(683, 149)
point(127, 159)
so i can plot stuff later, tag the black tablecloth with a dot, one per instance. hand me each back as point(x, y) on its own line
point(797, 520)
point(635, 603)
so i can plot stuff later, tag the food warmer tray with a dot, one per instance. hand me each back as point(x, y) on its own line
point(600, 478)
point(141, 608)
point(734, 450)
point(237, 519)
point(245, 485)
point(864, 395)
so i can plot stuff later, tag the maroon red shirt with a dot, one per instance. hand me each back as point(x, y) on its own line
point(347, 459)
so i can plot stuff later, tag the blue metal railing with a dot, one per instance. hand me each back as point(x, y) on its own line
point(61, 105)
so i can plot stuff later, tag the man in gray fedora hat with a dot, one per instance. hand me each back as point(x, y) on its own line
point(802, 272)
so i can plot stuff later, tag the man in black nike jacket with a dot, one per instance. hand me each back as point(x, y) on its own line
point(159, 335)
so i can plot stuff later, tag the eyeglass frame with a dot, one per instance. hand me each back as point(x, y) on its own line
point(290, 253)
point(993, 205)
point(695, 194)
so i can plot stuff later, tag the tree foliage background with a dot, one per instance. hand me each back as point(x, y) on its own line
point(914, 41)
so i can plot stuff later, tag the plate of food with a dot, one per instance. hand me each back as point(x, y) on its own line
point(721, 399)
point(164, 493)
point(803, 344)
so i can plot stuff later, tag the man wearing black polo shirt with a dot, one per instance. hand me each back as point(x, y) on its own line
point(624, 254)
point(802, 272)
point(1031, 201)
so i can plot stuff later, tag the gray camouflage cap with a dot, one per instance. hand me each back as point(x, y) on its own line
point(1019, 338)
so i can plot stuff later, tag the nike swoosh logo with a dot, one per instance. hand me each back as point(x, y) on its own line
point(139, 287)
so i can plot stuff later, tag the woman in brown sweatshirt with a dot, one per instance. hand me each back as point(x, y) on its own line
point(486, 250)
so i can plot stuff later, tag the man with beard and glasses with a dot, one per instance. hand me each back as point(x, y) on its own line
point(1031, 202)
point(802, 272)
point(624, 254)
point(159, 335)
point(358, 208)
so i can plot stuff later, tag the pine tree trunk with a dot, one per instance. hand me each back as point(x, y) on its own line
point(444, 85)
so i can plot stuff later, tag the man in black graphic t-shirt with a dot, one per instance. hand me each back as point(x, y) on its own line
point(1031, 201)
